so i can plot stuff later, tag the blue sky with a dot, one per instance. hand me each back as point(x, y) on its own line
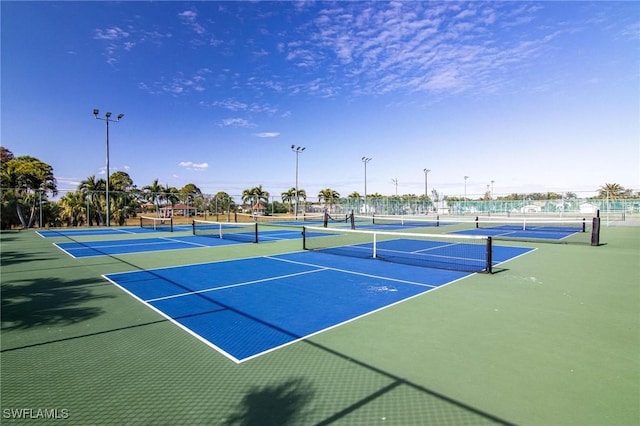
point(540, 96)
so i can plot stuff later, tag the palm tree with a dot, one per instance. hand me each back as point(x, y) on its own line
point(153, 194)
point(192, 196)
point(120, 195)
point(613, 191)
point(290, 197)
point(171, 194)
point(72, 206)
point(30, 180)
point(255, 196)
point(330, 196)
point(92, 190)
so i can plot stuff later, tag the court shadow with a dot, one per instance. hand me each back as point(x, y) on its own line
point(11, 257)
point(47, 302)
point(281, 405)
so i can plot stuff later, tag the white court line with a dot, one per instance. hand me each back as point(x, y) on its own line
point(233, 285)
point(129, 243)
point(184, 242)
point(352, 272)
point(319, 268)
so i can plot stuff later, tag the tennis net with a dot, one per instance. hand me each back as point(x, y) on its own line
point(403, 220)
point(534, 229)
point(157, 223)
point(291, 219)
point(565, 231)
point(468, 253)
point(245, 232)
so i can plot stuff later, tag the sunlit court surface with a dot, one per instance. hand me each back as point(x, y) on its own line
point(244, 308)
point(390, 335)
point(320, 213)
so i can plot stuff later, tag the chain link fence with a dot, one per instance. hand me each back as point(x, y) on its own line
point(72, 208)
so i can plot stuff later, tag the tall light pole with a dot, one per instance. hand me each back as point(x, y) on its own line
point(426, 172)
point(465, 193)
point(107, 119)
point(365, 160)
point(297, 150)
point(465, 187)
point(395, 182)
point(492, 203)
point(426, 192)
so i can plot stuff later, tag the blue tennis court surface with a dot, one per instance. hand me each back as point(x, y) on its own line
point(92, 232)
point(517, 231)
point(248, 307)
point(124, 230)
point(142, 245)
point(139, 245)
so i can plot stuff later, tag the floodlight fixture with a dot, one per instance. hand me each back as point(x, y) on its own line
point(426, 172)
point(465, 190)
point(297, 150)
point(107, 119)
point(365, 160)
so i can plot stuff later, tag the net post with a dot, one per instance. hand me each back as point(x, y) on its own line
point(477, 222)
point(256, 233)
point(489, 264)
point(304, 238)
point(325, 219)
point(141, 222)
point(584, 224)
point(353, 220)
point(438, 220)
point(595, 232)
point(171, 223)
point(375, 246)
point(193, 226)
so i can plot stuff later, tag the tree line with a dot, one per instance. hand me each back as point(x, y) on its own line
point(27, 184)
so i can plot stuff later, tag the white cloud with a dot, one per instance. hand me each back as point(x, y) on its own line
point(115, 33)
point(118, 40)
point(405, 46)
point(230, 104)
point(189, 18)
point(268, 134)
point(178, 84)
point(235, 122)
point(189, 165)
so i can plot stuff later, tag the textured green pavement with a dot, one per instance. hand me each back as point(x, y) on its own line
point(552, 340)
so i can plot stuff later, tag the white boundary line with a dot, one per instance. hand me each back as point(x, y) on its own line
point(356, 317)
point(88, 232)
point(97, 248)
point(351, 272)
point(175, 322)
point(321, 268)
point(242, 284)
